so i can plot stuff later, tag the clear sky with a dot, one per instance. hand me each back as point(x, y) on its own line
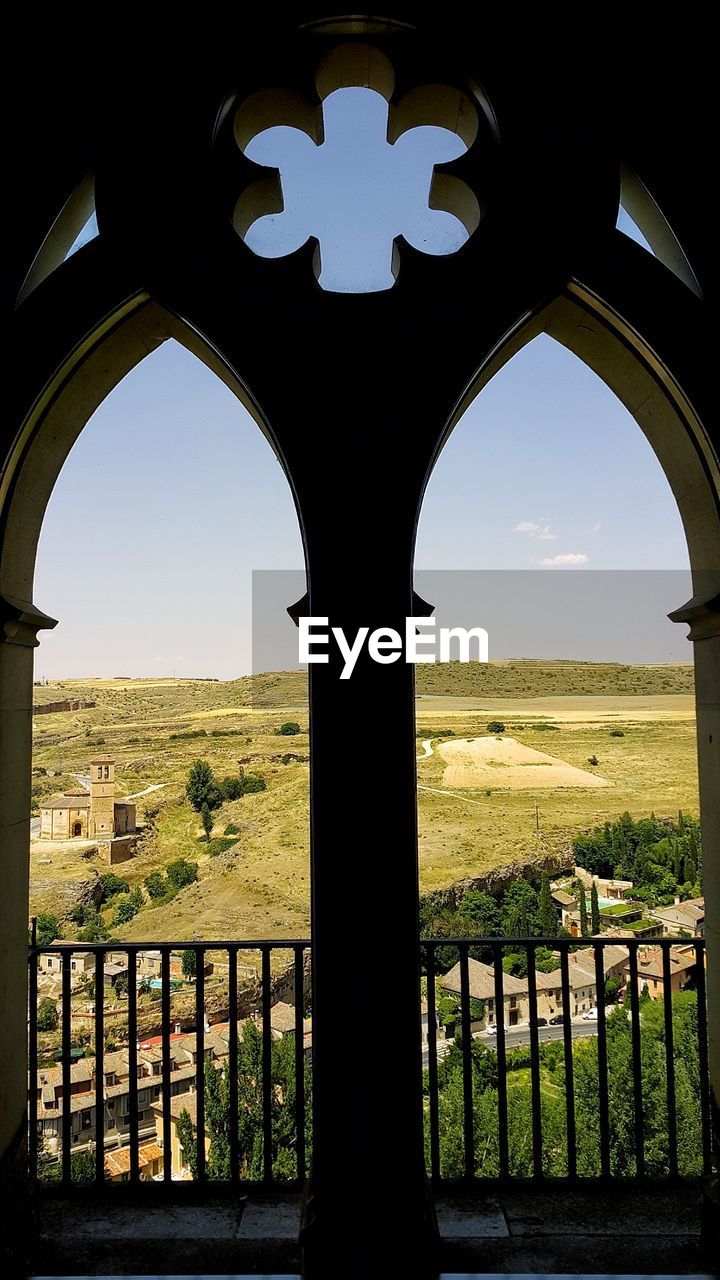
point(547, 470)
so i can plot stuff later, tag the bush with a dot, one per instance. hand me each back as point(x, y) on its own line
point(496, 726)
point(111, 884)
point(47, 1017)
point(182, 873)
point(232, 788)
point(254, 782)
point(47, 928)
point(128, 908)
point(232, 829)
point(95, 929)
point(156, 885)
point(289, 728)
point(593, 760)
point(189, 963)
point(616, 733)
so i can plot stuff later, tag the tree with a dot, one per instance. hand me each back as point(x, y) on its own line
point(47, 927)
point(207, 821)
point(594, 909)
point(128, 906)
point(201, 788)
point(496, 726)
point(156, 885)
point(521, 911)
point(189, 963)
point(110, 884)
point(482, 913)
point(289, 728)
point(47, 1017)
point(181, 873)
point(548, 914)
point(188, 1141)
point(583, 912)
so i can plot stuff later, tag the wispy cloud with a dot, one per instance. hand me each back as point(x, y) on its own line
point(597, 527)
point(542, 532)
point(566, 558)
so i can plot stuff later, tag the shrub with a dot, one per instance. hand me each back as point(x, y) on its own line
point(616, 733)
point(95, 929)
point(593, 760)
point(289, 728)
point(232, 788)
point(182, 873)
point(47, 928)
point(47, 1017)
point(496, 726)
point(128, 908)
point(111, 884)
point(156, 885)
point(232, 829)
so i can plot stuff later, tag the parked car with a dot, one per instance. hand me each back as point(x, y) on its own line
point(541, 1022)
point(492, 1029)
point(590, 1015)
point(556, 1021)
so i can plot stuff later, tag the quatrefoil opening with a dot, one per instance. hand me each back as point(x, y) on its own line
point(395, 193)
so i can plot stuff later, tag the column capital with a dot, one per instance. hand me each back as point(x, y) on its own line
point(702, 614)
point(20, 622)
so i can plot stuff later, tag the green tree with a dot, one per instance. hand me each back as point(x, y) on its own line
point(583, 912)
point(47, 927)
point(289, 728)
point(482, 914)
point(201, 788)
point(496, 726)
point(47, 1016)
point(548, 914)
point(594, 909)
point(181, 873)
point(189, 963)
point(188, 1141)
point(156, 885)
point(128, 906)
point(520, 911)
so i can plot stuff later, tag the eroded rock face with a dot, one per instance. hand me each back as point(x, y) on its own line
point(498, 879)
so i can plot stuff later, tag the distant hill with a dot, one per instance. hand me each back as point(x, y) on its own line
point(522, 677)
point(512, 678)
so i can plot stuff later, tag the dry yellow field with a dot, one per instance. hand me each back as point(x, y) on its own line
point(259, 885)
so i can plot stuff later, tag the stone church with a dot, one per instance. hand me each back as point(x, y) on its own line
point(83, 814)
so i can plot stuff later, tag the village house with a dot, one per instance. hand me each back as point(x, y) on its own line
point(651, 972)
point(150, 1163)
point(180, 1169)
point(681, 918)
point(116, 1090)
point(81, 962)
point(482, 987)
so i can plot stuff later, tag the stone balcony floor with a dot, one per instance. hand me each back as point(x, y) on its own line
point(527, 1231)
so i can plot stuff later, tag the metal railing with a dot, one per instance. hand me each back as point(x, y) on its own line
point(605, 1161)
point(253, 1096)
point(258, 1104)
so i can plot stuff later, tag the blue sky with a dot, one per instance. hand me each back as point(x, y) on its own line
point(545, 464)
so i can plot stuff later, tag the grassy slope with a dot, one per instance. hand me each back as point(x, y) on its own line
point(262, 886)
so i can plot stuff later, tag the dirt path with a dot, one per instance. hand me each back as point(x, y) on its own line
point(427, 749)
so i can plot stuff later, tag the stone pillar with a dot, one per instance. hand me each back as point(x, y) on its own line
point(367, 1213)
point(702, 613)
point(19, 625)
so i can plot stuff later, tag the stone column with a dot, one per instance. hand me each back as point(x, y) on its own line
point(702, 613)
point(19, 625)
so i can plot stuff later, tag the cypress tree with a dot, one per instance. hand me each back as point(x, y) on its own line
point(548, 914)
point(594, 909)
point(583, 912)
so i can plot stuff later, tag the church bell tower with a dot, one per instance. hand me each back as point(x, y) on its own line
point(102, 796)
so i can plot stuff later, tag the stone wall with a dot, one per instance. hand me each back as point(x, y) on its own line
point(67, 704)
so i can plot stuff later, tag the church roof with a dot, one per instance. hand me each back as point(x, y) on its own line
point(71, 800)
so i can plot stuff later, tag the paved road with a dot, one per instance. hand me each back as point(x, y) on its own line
point(515, 1036)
